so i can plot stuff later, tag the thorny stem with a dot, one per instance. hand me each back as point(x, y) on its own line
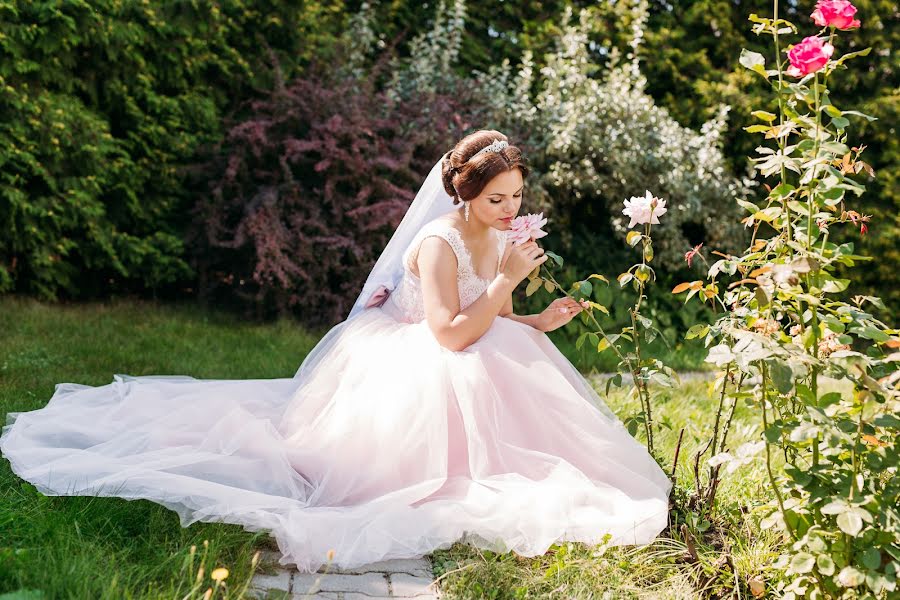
point(719, 411)
point(635, 369)
point(768, 456)
point(781, 140)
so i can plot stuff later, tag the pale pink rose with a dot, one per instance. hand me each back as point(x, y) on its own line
point(527, 227)
point(808, 56)
point(644, 209)
point(835, 13)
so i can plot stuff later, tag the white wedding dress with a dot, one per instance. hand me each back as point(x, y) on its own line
point(388, 445)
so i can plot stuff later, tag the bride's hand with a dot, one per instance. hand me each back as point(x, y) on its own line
point(558, 313)
point(519, 261)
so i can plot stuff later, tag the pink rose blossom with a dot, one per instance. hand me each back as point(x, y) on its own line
point(644, 209)
point(526, 227)
point(808, 56)
point(835, 13)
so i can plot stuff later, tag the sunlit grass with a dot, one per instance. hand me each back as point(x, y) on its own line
point(731, 552)
point(98, 547)
point(95, 547)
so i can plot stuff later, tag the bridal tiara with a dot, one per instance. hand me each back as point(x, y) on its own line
point(495, 146)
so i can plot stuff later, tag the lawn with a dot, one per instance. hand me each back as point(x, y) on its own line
point(87, 547)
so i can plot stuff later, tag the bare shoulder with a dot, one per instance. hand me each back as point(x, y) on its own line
point(435, 249)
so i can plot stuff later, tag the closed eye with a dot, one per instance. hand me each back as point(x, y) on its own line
point(499, 201)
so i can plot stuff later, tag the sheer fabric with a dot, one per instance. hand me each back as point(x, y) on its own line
point(388, 446)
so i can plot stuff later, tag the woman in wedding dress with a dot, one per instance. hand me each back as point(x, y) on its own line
point(432, 414)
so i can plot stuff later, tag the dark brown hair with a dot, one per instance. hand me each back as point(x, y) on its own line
point(464, 179)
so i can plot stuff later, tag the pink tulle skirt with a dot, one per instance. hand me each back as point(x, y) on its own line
point(391, 447)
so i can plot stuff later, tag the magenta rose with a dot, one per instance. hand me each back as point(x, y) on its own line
point(835, 13)
point(808, 56)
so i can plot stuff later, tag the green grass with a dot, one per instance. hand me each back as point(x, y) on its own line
point(92, 547)
point(659, 570)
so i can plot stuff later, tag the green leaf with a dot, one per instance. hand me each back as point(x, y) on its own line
point(556, 257)
point(580, 341)
point(642, 273)
point(600, 277)
point(825, 564)
point(782, 375)
point(871, 558)
point(648, 252)
point(548, 285)
point(632, 426)
point(533, 286)
point(833, 286)
point(850, 55)
point(698, 330)
point(757, 128)
point(802, 562)
point(615, 380)
point(850, 523)
point(602, 345)
point(871, 333)
point(859, 114)
point(840, 122)
point(754, 61)
point(836, 147)
point(850, 577)
point(765, 116)
point(782, 190)
point(600, 307)
point(887, 420)
point(585, 287)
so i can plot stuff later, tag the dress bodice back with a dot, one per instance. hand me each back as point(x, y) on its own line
point(407, 297)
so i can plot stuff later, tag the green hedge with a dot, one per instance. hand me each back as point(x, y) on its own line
point(103, 104)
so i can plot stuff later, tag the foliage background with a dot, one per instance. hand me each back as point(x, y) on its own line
point(258, 154)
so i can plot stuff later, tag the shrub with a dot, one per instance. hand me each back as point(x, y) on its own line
point(101, 103)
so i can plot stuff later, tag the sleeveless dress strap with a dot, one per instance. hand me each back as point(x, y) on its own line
point(448, 233)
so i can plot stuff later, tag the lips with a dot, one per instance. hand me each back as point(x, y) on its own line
point(507, 219)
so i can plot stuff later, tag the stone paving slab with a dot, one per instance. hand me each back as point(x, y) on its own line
point(398, 578)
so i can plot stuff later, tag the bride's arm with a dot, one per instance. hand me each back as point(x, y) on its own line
point(454, 328)
point(535, 321)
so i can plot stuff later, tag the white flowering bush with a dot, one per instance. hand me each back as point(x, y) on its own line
point(602, 138)
point(432, 54)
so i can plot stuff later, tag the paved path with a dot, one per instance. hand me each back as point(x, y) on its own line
point(399, 578)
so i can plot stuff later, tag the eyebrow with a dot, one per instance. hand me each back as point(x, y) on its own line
point(499, 194)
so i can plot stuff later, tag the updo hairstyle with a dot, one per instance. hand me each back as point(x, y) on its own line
point(464, 179)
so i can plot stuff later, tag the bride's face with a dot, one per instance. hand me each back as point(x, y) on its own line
point(499, 201)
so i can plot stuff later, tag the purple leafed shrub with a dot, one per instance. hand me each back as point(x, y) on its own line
point(304, 192)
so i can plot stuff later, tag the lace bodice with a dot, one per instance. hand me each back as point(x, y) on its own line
point(407, 297)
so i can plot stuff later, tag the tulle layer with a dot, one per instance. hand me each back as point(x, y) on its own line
point(391, 447)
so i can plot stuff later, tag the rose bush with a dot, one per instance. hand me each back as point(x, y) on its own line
point(813, 359)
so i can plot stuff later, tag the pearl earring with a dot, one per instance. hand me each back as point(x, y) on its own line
point(467, 211)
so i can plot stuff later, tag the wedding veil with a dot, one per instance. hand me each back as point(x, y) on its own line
point(430, 202)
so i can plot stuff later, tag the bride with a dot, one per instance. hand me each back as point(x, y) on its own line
point(432, 414)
